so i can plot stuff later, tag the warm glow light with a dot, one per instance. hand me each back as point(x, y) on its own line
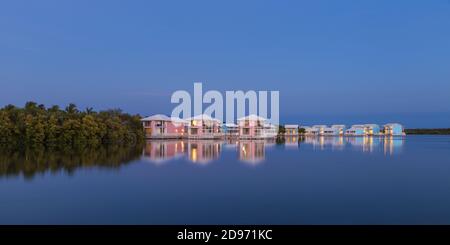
point(194, 154)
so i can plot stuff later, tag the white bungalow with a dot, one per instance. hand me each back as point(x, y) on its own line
point(163, 127)
point(291, 130)
point(204, 127)
point(310, 131)
point(329, 131)
point(355, 130)
point(371, 129)
point(393, 129)
point(340, 128)
point(270, 130)
point(320, 128)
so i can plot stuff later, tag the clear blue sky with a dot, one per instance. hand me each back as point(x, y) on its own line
point(332, 61)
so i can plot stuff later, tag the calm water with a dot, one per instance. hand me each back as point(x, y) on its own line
point(293, 181)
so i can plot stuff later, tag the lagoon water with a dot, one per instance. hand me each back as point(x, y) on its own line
point(317, 180)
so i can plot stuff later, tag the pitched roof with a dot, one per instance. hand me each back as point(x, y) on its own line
point(230, 125)
point(157, 117)
point(252, 117)
point(203, 117)
point(161, 117)
point(371, 125)
point(393, 124)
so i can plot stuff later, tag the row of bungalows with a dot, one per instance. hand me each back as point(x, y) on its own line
point(390, 129)
point(205, 127)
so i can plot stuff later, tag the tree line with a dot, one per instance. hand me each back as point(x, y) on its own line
point(428, 131)
point(37, 126)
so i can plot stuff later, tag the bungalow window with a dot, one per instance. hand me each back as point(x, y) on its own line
point(246, 131)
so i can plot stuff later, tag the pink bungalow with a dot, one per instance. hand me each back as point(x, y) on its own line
point(204, 127)
point(255, 127)
point(163, 127)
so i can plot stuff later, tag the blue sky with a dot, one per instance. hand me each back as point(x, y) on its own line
point(332, 61)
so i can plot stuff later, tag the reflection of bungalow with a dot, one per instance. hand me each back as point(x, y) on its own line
point(393, 129)
point(255, 127)
point(204, 127)
point(339, 128)
point(160, 151)
point(203, 151)
point(291, 130)
point(355, 130)
point(163, 127)
point(251, 151)
point(392, 144)
point(291, 141)
point(230, 130)
point(371, 129)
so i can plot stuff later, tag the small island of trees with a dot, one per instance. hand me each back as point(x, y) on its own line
point(37, 126)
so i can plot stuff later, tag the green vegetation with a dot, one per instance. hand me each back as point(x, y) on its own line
point(37, 126)
point(428, 131)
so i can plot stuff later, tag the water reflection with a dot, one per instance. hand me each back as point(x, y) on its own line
point(161, 151)
point(393, 145)
point(30, 162)
point(254, 151)
point(203, 152)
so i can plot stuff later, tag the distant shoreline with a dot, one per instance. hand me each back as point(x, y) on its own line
point(430, 131)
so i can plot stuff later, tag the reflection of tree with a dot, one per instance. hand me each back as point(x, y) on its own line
point(40, 160)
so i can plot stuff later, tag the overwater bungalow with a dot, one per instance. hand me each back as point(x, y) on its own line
point(163, 127)
point(340, 128)
point(320, 128)
point(291, 130)
point(230, 130)
point(329, 131)
point(371, 129)
point(255, 127)
point(204, 127)
point(310, 131)
point(393, 129)
point(356, 130)
point(270, 130)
